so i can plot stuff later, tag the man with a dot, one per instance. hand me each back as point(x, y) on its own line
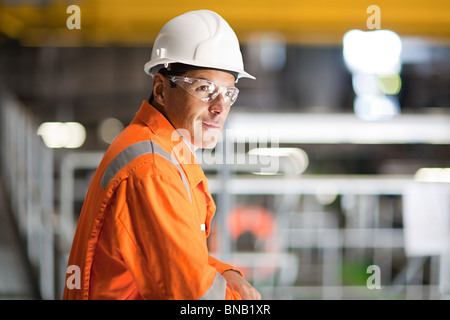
point(145, 220)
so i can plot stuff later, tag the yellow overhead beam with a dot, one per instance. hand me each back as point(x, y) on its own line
point(136, 22)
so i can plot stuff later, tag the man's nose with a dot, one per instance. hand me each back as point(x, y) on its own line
point(220, 104)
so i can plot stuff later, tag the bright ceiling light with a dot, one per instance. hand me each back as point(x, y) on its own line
point(365, 84)
point(376, 107)
point(62, 134)
point(433, 175)
point(372, 52)
point(109, 129)
point(390, 84)
point(295, 161)
point(326, 193)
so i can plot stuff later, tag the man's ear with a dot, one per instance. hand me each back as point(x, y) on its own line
point(159, 84)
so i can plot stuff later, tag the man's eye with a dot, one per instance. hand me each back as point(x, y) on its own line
point(203, 88)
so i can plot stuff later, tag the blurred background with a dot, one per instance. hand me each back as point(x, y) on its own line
point(349, 195)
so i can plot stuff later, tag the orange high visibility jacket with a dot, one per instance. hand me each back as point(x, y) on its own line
point(142, 230)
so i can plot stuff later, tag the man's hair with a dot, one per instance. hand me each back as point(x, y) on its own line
point(169, 71)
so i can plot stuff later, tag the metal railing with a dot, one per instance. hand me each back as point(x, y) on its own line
point(27, 168)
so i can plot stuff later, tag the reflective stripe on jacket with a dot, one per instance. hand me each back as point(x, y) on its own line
point(142, 230)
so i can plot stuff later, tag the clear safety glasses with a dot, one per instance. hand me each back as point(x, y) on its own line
point(205, 90)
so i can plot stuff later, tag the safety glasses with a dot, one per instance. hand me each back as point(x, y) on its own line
point(205, 90)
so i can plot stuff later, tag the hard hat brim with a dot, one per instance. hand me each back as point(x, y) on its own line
point(152, 67)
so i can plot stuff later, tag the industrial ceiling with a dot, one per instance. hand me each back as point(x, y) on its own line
point(136, 22)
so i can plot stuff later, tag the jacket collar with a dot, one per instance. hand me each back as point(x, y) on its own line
point(172, 141)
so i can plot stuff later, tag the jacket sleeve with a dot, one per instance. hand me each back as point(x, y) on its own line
point(161, 241)
point(221, 267)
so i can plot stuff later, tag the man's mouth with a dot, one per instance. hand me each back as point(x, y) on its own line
point(211, 125)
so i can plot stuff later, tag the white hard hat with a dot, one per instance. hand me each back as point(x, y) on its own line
point(199, 38)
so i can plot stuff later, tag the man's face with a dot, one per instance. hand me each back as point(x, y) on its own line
point(202, 121)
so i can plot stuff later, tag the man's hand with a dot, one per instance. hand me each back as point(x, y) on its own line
point(237, 283)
